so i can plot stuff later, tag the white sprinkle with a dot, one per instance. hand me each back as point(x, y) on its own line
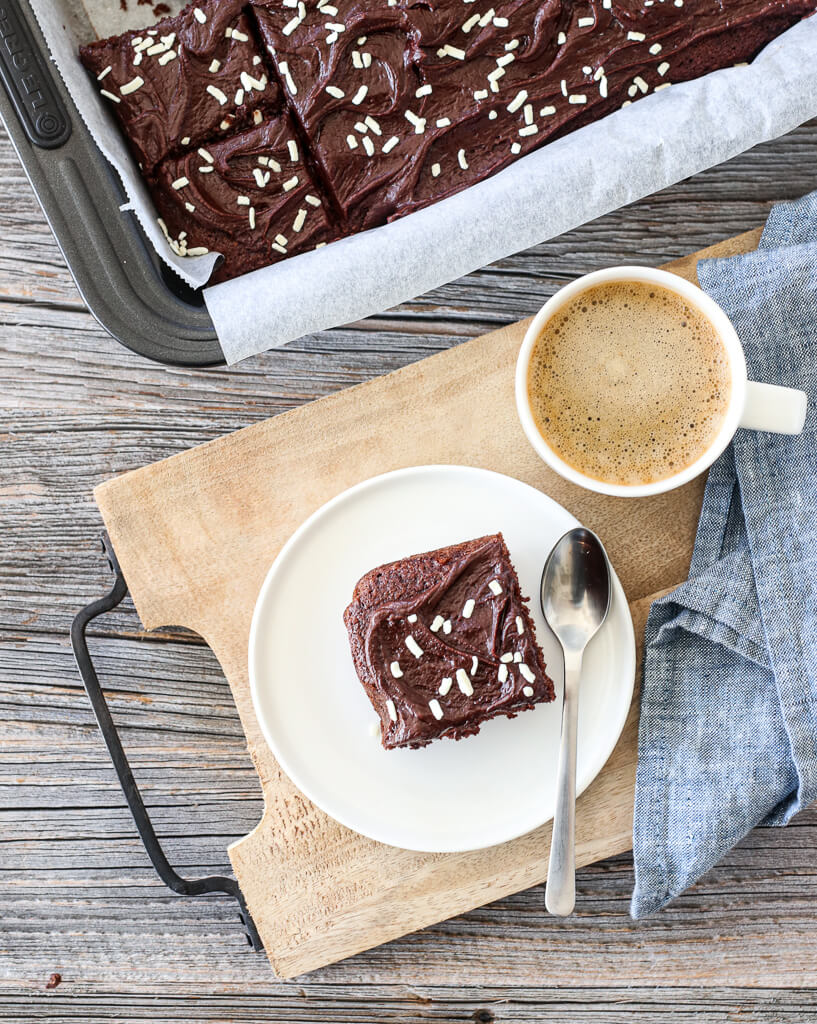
point(290, 183)
point(217, 94)
point(356, 60)
point(392, 710)
point(199, 15)
point(281, 239)
point(226, 124)
point(245, 201)
point(480, 94)
point(578, 97)
point(561, 39)
point(413, 646)
point(335, 26)
point(283, 67)
point(486, 17)
point(436, 710)
point(424, 90)
point(109, 95)
point(495, 587)
point(468, 608)
point(197, 250)
point(361, 40)
point(351, 142)
point(494, 77)
point(468, 25)
point(261, 177)
point(503, 673)
point(474, 663)
point(249, 83)
point(373, 124)
point(313, 200)
point(453, 51)
point(526, 672)
point(291, 25)
point(180, 183)
point(137, 60)
point(587, 70)
point(396, 671)
point(501, 22)
point(300, 217)
point(437, 623)
point(528, 691)
point(639, 81)
point(637, 37)
point(516, 148)
point(603, 87)
point(280, 248)
point(564, 87)
point(292, 146)
point(506, 658)
point(256, 60)
point(360, 95)
point(492, 115)
point(412, 619)
point(367, 59)
point(655, 49)
point(105, 71)
point(632, 91)
point(168, 57)
point(502, 62)
point(445, 686)
point(679, 3)
point(274, 165)
point(239, 97)
point(418, 122)
point(586, 22)
point(361, 127)
point(186, 140)
point(517, 658)
point(520, 625)
point(205, 170)
point(464, 165)
point(252, 218)
point(189, 207)
point(368, 145)
point(517, 101)
point(257, 116)
point(156, 48)
point(663, 68)
point(335, 93)
point(132, 85)
point(529, 129)
point(443, 122)
point(528, 113)
point(607, 4)
point(547, 111)
point(447, 626)
point(599, 74)
point(389, 145)
point(464, 682)
point(435, 170)
point(663, 85)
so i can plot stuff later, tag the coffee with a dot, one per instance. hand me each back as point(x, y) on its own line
point(629, 383)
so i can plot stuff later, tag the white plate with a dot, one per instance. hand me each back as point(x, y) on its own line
point(317, 719)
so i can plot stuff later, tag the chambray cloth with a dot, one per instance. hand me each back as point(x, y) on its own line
point(728, 733)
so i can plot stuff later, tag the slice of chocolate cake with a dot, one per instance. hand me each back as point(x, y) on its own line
point(187, 79)
point(443, 641)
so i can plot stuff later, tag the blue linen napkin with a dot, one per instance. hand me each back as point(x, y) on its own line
point(728, 733)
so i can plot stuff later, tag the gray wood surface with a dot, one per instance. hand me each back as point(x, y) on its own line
point(78, 894)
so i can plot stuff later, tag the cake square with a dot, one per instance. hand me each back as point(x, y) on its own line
point(443, 641)
point(189, 78)
point(250, 196)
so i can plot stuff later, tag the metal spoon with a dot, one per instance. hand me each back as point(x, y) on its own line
point(575, 595)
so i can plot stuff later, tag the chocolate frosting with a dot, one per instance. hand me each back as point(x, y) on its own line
point(468, 614)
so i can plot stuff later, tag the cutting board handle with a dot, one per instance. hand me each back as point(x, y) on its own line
point(171, 878)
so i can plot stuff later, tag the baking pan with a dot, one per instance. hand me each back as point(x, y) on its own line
point(132, 294)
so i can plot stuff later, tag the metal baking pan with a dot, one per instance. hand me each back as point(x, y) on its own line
point(132, 294)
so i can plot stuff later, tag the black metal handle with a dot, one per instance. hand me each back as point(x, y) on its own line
point(182, 886)
point(29, 83)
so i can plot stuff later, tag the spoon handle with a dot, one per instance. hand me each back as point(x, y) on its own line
point(560, 891)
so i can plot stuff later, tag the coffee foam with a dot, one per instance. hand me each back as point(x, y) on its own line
point(629, 383)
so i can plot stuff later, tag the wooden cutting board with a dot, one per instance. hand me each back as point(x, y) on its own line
point(196, 533)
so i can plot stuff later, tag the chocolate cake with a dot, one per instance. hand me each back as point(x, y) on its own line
point(444, 641)
point(396, 103)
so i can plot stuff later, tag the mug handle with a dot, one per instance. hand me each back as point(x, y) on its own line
point(774, 408)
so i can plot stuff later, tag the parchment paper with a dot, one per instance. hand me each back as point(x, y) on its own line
point(657, 141)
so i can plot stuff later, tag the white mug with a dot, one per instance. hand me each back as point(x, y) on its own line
point(752, 404)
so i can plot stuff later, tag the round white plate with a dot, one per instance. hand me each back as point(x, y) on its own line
point(317, 719)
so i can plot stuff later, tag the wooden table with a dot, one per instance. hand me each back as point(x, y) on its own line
point(78, 894)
